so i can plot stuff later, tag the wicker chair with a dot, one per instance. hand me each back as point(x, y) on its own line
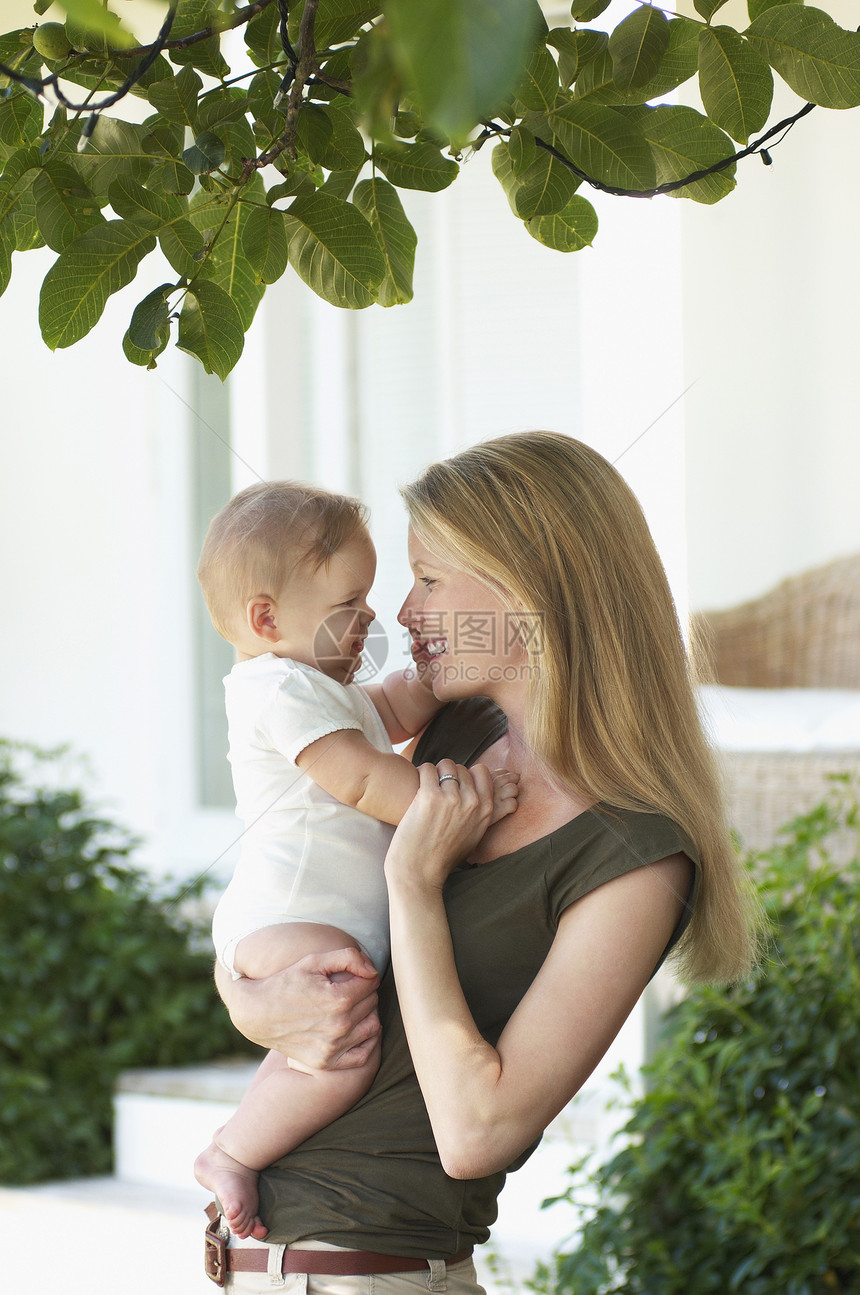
point(805, 633)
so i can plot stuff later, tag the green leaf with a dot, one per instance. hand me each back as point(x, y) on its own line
point(377, 88)
point(575, 49)
point(77, 286)
point(504, 172)
point(735, 82)
point(193, 16)
point(261, 105)
point(162, 143)
point(115, 148)
point(239, 139)
point(755, 7)
point(149, 329)
point(5, 261)
point(65, 208)
point(171, 177)
point(134, 355)
point(182, 245)
point(596, 82)
point(345, 150)
point(175, 98)
point(227, 263)
point(587, 10)
point(818, 59)
point(546, 187)
point(637, 46)
point(97, 74)
point(16, 51)
point(707, 8)
point(16, 180)
point(264, 242)
point(683, 142)
point(380, 203)
point(222, 106)
point(336, 20)
point(21, 121)
point(210, 328)
point(134, 203)
point(334, 249)
point(567, 231)
point(340, 184)
point(262, 37)
point(416, 166)
point(538, 88)
point(293, 187)
point(91, 16)
point(603, 144)
point(406, 125)
point(24, 224)
point(522, 148)
point(461, 58)
point(205, 154)
point(313, 131)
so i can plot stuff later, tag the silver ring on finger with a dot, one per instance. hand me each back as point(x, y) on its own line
point(449, 777)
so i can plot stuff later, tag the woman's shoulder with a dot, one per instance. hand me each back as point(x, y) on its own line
point(611, 842)
point(461, 731)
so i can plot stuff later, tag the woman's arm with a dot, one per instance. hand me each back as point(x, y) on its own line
point(321, 1010)
point(487, 1104)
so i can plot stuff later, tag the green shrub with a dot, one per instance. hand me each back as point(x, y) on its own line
point(97, 973)
point(742, 1170)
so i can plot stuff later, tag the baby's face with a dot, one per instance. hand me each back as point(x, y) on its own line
point(323, 617)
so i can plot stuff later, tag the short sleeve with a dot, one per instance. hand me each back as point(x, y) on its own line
point(307, 705)
point(617, 842)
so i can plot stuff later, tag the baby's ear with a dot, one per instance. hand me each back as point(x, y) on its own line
point(260, 615)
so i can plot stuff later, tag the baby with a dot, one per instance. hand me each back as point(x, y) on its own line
point(286, 570)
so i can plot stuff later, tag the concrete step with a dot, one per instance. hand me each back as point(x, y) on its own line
point(163, 1118)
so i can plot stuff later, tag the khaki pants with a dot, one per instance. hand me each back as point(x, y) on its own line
point(456, 1279)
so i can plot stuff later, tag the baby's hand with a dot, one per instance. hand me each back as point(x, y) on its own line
point(506, 789)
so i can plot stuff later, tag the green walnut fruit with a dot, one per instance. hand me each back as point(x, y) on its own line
point(50, 40)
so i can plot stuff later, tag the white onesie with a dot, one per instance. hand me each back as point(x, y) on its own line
point(305, 857)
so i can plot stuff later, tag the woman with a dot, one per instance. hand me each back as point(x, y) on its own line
point(518, 950)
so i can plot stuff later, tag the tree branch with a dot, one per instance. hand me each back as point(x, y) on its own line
point(492, 129)
point(238, 19)
point(305, 68)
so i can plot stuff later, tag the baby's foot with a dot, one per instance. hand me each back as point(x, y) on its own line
point(236, 1188)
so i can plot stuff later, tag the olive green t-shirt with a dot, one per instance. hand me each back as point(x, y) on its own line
point(372, 1180)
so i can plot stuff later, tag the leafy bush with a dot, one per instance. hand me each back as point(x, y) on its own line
point(97, 973)
point(742, 1170)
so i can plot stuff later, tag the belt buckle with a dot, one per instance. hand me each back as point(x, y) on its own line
point(214, 1254)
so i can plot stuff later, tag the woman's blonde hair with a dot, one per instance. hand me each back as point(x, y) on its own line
point(263, 536)
point(554, 529)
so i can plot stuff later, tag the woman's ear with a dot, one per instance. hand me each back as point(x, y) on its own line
point(260, 613)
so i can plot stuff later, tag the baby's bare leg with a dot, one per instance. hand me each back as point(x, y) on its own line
point(283, 1105)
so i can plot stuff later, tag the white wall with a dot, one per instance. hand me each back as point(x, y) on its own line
point(771, 331)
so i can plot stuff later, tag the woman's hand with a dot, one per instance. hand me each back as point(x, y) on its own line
point(452, 810)
point(320, 1011)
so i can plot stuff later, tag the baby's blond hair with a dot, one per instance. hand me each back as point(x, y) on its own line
point(265, 533)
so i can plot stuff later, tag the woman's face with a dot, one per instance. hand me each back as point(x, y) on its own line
point(461, 630)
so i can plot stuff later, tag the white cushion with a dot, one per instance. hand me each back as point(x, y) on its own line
point(781, 719)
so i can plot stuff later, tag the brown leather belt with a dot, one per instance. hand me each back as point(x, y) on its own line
point(219, 1260)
